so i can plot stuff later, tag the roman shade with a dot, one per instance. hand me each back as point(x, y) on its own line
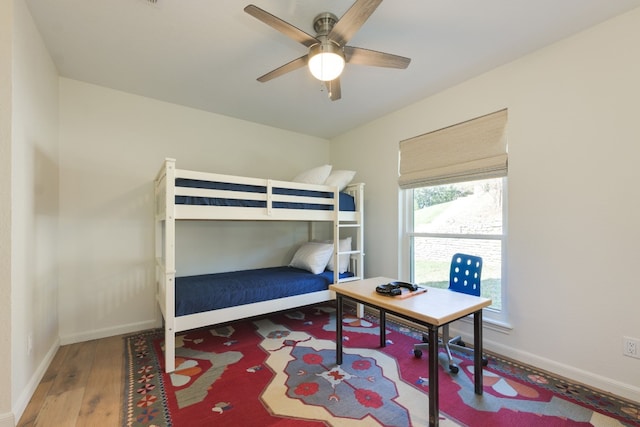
point(475, 149)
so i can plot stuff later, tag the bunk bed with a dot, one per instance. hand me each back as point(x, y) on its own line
point(197, 301)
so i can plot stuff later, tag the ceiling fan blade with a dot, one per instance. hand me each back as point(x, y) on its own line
point(284, 27)
point(361, 56)
point(333, 87)
point(352, 20)
point(288, 67)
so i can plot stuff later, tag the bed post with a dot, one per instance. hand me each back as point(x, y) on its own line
point(336, 235)
point(360, 233)
point(360, 238)
point(170, 266)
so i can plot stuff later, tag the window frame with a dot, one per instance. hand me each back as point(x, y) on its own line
point(498, 318)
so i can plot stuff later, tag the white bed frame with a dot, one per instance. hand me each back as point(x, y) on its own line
point(167, 213)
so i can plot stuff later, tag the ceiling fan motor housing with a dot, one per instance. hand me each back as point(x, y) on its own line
point(324, 22)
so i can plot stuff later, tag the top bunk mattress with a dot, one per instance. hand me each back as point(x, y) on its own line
point(347, 202)
point(197, 294)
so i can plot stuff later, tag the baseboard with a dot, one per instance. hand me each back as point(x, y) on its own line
point(589, 379)
point(7, 420)
point(10, 420)
point(109, 332)
point(27, 393)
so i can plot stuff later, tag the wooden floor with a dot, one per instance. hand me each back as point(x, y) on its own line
point(82, 387)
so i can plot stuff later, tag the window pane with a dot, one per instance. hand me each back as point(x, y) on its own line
point(432, 259)
point(463, 217)
point(463, 208)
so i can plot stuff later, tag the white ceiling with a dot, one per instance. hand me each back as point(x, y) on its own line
point(207, 54)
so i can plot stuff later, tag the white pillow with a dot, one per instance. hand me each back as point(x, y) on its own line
point(343, 265)
point(340, 179)
point(314, 176)
point(312, 256)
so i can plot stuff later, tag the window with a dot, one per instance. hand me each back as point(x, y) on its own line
point(463, 217)
point(454, 181)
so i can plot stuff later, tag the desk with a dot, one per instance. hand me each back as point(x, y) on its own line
point(432, 309)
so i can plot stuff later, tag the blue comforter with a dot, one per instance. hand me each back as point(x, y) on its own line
point(196, 294)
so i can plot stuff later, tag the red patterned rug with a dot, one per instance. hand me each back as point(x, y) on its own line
point(280, 371)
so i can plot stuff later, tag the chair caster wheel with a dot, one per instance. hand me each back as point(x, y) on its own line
point(454, 369)
point(417, 353)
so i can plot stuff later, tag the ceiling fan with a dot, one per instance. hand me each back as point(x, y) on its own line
point(328, 50)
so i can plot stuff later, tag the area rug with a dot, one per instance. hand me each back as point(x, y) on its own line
point(280, 370)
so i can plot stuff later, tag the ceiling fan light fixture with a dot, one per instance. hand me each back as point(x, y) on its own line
point(326, 61)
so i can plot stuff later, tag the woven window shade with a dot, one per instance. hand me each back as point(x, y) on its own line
point(475, 149)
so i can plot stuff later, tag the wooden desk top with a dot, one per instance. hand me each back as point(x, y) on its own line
point(435, 307)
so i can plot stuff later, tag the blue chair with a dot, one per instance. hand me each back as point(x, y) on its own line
point(464, 277)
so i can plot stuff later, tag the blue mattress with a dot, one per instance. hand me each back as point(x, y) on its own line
point(196, 294)
point(347, 203)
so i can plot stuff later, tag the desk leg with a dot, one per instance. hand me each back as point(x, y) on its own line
point(434, 406)
point(477, 350)
point(383, 328)
point(339, 329)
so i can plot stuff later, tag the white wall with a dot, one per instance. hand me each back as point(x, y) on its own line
point(34, 216)
point(573, 209)
point(6, 37)
point(112, 145)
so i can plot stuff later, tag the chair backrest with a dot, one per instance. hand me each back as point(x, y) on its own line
point(464, 275)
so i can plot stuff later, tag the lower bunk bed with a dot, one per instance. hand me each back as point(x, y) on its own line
point(211, 299)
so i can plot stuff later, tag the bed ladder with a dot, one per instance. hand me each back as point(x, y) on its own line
point(355, 229)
